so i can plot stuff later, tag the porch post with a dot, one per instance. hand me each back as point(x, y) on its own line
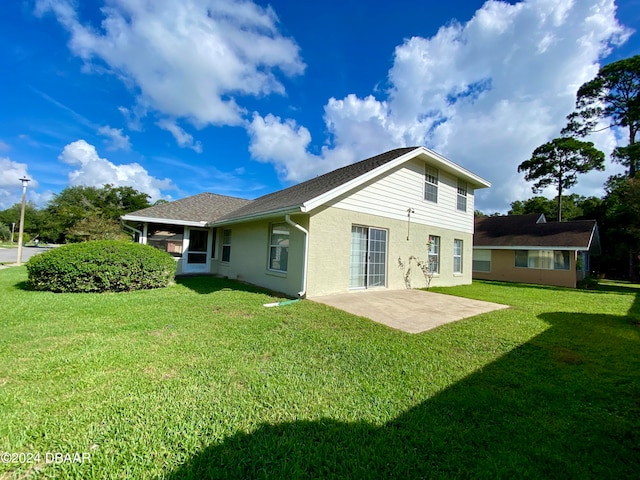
point(145, 233)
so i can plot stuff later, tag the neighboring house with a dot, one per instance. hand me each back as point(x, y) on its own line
point(528, 249)
point(345, 230)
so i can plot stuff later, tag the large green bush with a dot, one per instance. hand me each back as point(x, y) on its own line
point(101, 266)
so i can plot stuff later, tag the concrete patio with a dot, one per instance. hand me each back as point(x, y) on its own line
point(411, 311)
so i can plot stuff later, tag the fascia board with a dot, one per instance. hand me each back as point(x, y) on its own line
point(520, 247)
point(257, 216)
point(168, 221)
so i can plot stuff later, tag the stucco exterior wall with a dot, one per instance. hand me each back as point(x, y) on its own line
point(330, 250)
point(249, 259)
point(503, 269)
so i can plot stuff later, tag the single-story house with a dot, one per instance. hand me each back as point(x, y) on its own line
point(350, 229)
point(528, 249)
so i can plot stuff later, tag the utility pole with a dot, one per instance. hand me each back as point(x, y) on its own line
point(24, 181)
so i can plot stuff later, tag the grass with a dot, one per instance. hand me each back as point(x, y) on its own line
point(201, 381)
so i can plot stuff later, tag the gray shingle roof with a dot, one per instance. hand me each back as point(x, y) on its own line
point(523, 231)
point(298, 194)
point(204, 207)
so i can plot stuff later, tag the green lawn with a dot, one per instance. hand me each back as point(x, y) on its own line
point(201, 381)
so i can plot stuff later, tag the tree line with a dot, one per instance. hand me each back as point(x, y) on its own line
point(77, 213)
point(610, 100)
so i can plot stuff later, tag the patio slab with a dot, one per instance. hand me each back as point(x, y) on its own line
point(411, 311)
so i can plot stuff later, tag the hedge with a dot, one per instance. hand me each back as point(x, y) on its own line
point(101, 266)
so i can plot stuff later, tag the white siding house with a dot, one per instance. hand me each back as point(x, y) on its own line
point(361, 226)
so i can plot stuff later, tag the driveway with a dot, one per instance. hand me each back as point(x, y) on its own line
point(412, 311)
point(11, 254)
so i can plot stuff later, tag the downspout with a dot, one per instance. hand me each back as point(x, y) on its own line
point(125, 225)
point(302, 292)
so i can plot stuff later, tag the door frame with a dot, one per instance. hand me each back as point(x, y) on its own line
point(186, 249)
point(366, 264)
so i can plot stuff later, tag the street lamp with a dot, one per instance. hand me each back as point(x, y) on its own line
point(24, 181)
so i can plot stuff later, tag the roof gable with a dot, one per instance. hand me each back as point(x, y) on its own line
point(318, 191)
point(527, 231)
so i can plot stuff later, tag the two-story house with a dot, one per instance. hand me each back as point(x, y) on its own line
point(353, 228)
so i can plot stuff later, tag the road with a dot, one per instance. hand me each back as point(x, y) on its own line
point(11, 254)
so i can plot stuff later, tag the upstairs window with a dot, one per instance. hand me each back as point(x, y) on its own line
point(431, 184)
point(226, 245)
point(462, 195)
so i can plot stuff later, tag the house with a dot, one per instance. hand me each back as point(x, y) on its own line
point(345, 230)
point(528, 249)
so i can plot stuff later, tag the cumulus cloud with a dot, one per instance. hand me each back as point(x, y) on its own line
point(484, 93)
point(95, 171)
point(10, 186)
point(190, 59)
point(116, 140)
point(183, 139)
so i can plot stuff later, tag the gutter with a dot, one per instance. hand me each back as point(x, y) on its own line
point(287, 219)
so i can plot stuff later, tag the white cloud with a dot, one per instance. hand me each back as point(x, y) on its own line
point(10, 186)
point(183, 139)
point(4, 146)
point(116, 139)
point(484, 93)
point(190, 59)
point(95, 171)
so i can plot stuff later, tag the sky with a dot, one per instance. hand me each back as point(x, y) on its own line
point(243, 98)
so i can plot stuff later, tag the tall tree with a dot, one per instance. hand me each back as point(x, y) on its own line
point(622, 223)
point(80, 202)
point(558, 163)
point(614, 94)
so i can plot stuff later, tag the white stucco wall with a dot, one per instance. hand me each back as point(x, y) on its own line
point(330, 249)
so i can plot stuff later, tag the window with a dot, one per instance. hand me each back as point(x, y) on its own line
point(481, 260)
point(279, 247)
point(213, 243)
point(462, 195)
point(226, 245)
point(431, 184)
point(457, 256)
point(543, 259)
point(434, 254)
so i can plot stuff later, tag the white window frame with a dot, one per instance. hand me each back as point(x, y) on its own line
point(461, 203)
point(431, 181)
point(434, 254)
point(278, 248)
point(226, 245)
point(543, 259)
point(457, 255)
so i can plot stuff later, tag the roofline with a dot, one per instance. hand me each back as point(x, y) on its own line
point(521, 247)
point(257, 216)
point(168, 221)
point(478, 182)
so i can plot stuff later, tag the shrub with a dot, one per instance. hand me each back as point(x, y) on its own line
point(588, 283)
point(101, 266)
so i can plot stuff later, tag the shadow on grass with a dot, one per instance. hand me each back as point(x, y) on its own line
point(563, 405)
point(205, 284)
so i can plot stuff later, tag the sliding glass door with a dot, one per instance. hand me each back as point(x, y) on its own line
point(368, 262)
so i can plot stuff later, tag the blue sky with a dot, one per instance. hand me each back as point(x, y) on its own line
point(243, 98)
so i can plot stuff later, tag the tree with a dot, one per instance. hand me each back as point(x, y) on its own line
point(622, 223)
point(558, 163)
point(613, 94)
point(95, 227)
point(574, 207)
point(80, 202)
